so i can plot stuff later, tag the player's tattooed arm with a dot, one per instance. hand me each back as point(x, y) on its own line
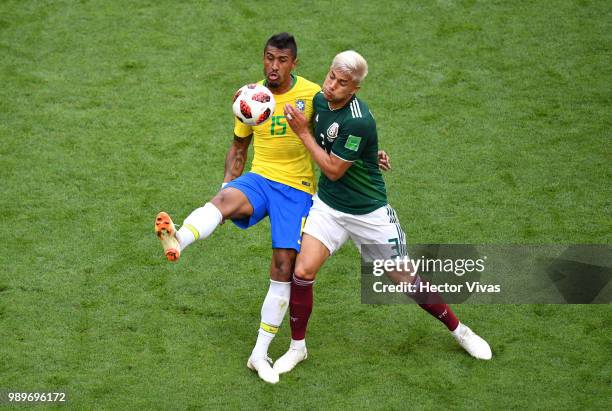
point(236, 158)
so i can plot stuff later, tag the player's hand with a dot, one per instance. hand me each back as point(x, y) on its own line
point(384, 161)
point(297, 121)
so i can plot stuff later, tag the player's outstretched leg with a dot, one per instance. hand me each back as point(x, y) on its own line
point(434, 304)
point(199, 224)
point(475, 345)
point(229, 203)
point(166, 232)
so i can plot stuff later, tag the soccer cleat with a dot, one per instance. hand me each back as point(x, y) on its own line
point(472, 343)
point(290, 359)
point(166, 232)
point(263, 366)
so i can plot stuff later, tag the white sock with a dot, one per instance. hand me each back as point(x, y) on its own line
point(273, 311)
point(298, 344)
point(457, 331)
point(199, 224)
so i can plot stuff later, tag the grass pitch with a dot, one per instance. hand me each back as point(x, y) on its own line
point(497, 118)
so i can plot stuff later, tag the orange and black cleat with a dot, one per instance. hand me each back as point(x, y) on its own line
point(166, 232)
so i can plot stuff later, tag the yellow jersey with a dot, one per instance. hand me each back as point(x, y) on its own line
point(279, 153)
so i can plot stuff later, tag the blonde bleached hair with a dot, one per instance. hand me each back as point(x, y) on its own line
point(352, 63)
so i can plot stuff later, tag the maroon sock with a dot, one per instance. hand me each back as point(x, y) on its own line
point(443, 313)
point(434, 304)
point(300, 307)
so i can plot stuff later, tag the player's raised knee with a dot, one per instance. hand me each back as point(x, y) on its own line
point(232, 203)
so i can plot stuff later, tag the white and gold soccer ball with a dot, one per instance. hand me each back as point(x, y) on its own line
point(253, 104)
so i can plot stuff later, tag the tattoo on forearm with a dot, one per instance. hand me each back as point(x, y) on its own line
point(238, 165)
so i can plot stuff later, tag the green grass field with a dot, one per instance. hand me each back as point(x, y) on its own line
point(497, 118)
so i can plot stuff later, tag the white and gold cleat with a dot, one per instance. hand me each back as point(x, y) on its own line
point(263, 366)
point(166, 232)
point(290, 359)
point(475, 345)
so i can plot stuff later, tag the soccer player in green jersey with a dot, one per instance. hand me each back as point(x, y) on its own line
point(351, 201)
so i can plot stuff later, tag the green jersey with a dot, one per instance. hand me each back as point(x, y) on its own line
point(350, 134)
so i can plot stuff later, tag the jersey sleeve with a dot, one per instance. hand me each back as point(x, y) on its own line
point(241, 129)
point(352, 140)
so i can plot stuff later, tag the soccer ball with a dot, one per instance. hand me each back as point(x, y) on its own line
point(253, 104)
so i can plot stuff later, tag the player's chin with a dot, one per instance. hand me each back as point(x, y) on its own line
point(273, 83)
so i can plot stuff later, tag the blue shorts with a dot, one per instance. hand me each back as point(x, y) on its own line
point(287, 207)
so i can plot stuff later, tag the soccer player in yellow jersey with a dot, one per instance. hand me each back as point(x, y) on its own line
point(280, 185)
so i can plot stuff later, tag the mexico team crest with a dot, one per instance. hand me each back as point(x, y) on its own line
point(300, 105)
point(332, 131)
